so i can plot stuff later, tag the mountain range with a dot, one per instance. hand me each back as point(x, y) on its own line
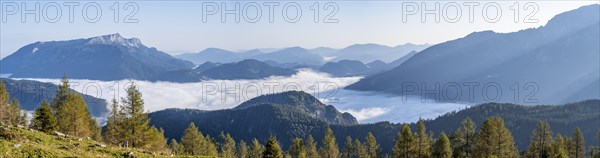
point(108, 57)
point(297, 114)
point(553, 64)
point(246, 69)
point(300, 56)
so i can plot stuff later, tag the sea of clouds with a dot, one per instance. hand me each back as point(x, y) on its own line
point(367, 107)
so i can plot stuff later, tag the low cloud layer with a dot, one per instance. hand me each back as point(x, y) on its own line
point(367, 107)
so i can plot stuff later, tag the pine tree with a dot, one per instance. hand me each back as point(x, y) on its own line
point(361, 149)
point(272, 149)
point(494, 139)
point(297, 149)
point(462, 140)
point(577, 144)
point(442, 147)
point(192, 140)
point(311, 147)
point(73, 116)
point(242, 149)
point(44, 120)
point(4, 107)
point(176, 148)
point(403, 144)
point(330, 148)
point(348, 151)
point(114, 133)
point(541, 141)
point(137, 122)
point(256, 149)
point(227, 146)
point(422, 140)
point(372, 146)
point(559, 147)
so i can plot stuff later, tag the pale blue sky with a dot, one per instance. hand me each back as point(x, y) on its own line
point(176, 27)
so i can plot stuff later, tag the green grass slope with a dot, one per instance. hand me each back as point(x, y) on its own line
point(22, 142)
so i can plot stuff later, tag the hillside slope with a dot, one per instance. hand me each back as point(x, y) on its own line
point(21, 142)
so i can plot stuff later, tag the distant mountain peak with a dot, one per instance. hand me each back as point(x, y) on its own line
point(115, 39)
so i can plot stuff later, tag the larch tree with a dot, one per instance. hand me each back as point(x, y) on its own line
point(297, 148)
point(372, 145)
point(272, 149)
point(256, 149)
point(73, 116)
point(4, 108)
point(61, 95)
point(43, 119)
point(541, 141)
point(404, 143)
point(115, 125)
point(243, 149)
point(577, 144)
point(422, 140)
point(559, 148)
point(462, 140)
point(442, 147)
point(494, 140)
point(348, 151)
point(176, 148)
point(192, 140)
point(137, 121)
point(311, 147)
point(227, 146)
point(15, 112)
point(330, 148)
point(361, 149)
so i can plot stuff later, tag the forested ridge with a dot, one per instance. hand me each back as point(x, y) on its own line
point(274, 129)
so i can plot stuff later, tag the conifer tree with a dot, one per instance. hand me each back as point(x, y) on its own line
point(422, 141)
point(192, 140)
point(361, 149)
point(403, 144)
point(176, 148)
point(137, 121)
point(330, 148)
point(242, 149)
point(348, 151)
point(227, 146)
point(311, 147)
point(256, 149)
point(73, 116)
point(61, 95)
point(272, 149)
point(297, 148)
point(462, 140)
point(442, 147)
point(4, 107)
point(209, 147)
point(494, 139)
point(154, 140)
point(577, 144)
point(559, 147)
point(372, 146)
point(15, 112)
point(541, 141)
point(115, 125)
point(44, 120)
